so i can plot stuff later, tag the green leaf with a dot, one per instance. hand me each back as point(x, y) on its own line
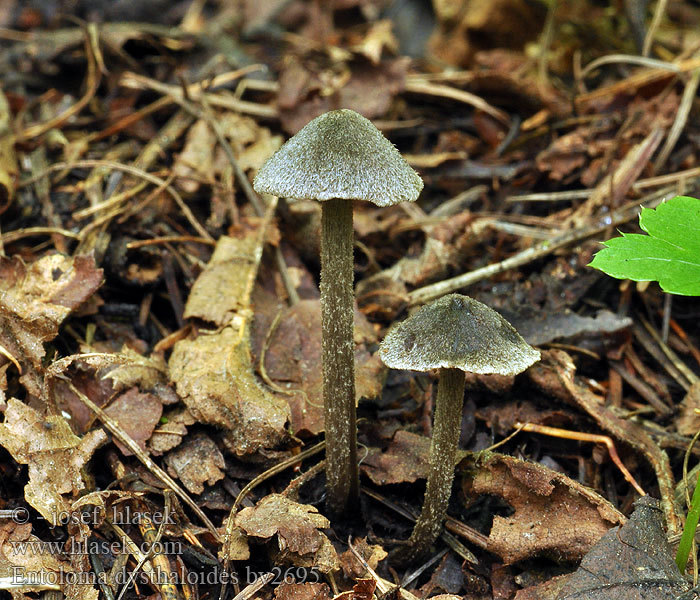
point(670, 254)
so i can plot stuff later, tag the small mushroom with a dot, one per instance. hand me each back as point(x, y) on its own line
point(453, 334)
point(336, 158)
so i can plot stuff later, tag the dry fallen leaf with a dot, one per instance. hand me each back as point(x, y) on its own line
point(296, 527)
point(405, 460)
point(137, 413)
point(195, 462)
point(214, 377)
point(292, 358)
point(34, 300)
point(302, 591)
point(372, 554)
point(29, 563)
point(55, 455)
point(553, 515)
point(213, 373)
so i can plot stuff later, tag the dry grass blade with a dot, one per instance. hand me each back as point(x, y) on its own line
point(445, 91)
point(93, 83)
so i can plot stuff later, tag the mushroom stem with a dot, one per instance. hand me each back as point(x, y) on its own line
point(338, 312)
point(443, 449)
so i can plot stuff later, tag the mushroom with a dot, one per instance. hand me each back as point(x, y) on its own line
point(336, 158)
point(454, 334)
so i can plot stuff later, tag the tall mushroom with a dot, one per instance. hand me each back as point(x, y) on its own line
point(453, 334)
point(336, 158)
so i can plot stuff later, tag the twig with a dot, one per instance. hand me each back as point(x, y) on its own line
point(136, 172)
point(435, 290)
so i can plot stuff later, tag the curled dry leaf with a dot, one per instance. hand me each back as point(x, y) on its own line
point(554, 515)
point(191, 167)
point(34, 300)
point(372, 554)
point(55, 455)
point(296, 526)
point(147, 372)
point(196, 462)
point(25, 557)
point(213, 373)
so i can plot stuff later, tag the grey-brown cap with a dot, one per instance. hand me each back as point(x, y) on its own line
point(456, 331)
point(340, 155)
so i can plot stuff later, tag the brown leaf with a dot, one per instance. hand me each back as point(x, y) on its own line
point(292, 360)
point(35, 299)
point(138, 414)
point(25, 557)
point(554, 515)
point(688, 421)
point(192, 166)
point(302, 591)
point(214, 377)
point(406, 460)
point(635, 560)
point(296, 527)
point(55, 455)
point(172, 432)
point(9, 170)
point(372, 554)
point(195, 462)
point(213, 373)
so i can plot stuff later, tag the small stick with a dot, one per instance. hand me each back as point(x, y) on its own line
point(585, 437)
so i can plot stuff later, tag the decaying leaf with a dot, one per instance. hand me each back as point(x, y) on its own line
point(296, 526)
point(214, 377)
point(137, 413)
point(554, 515)
point(55, 455)
point(29, 563)
point(192, 165)
point(148, 372)
point(35, 299)
point(302, 591)
point(213, 372)
point(630, 562)
point(292, 360)
point(372, 554)
point(196, 462)
point(688, 421)
point(172, 432)
point(406, 460)
point(9, 169)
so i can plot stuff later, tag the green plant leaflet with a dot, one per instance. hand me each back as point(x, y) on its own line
point(670, 254)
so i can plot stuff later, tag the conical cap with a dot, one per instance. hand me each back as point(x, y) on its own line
point(458, 332)
point(340, 155)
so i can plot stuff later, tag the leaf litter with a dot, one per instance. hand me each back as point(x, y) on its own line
point(160, 328)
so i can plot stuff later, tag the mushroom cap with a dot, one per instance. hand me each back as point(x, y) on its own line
point(339, 155)
point(456, 331)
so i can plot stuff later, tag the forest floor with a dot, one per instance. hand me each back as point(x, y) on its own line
point(160, 322)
